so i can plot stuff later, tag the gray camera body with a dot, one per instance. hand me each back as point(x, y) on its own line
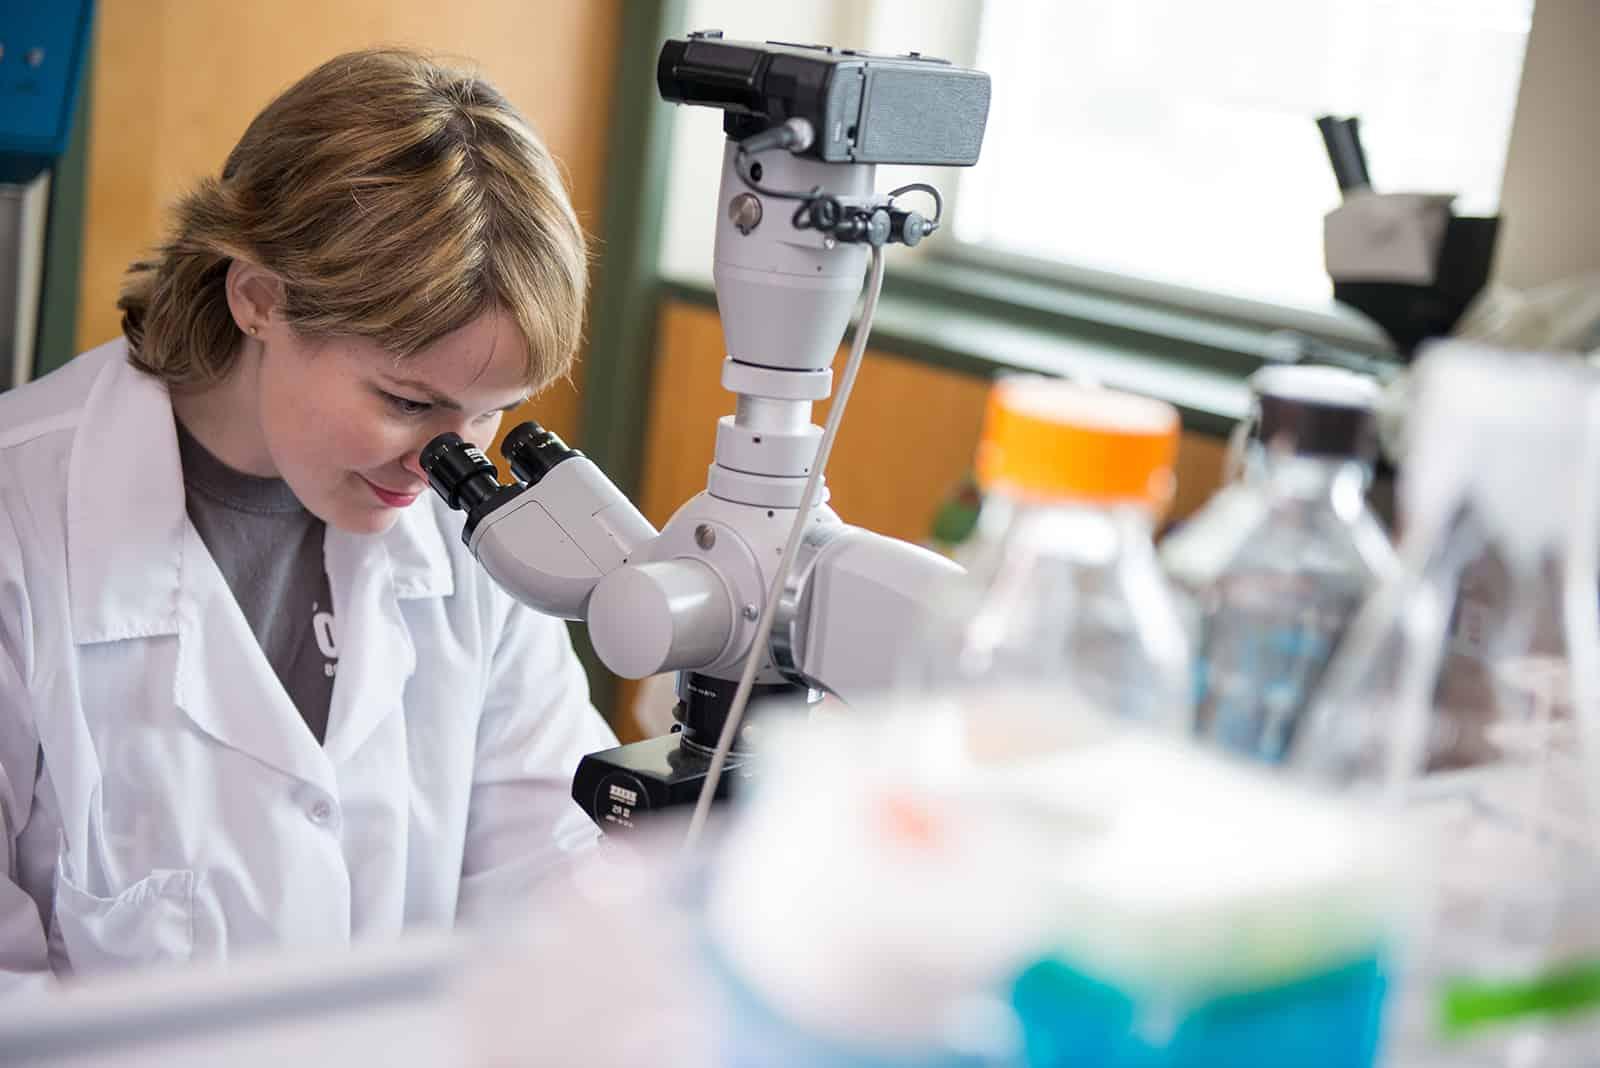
point(865, 107)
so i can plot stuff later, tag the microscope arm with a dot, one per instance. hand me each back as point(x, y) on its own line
point(859, 598)
point(852, 602)
point(572, 545)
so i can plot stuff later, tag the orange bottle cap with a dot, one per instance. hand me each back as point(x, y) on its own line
point(1047, 438)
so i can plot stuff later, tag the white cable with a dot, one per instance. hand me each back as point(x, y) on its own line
point(808, 502)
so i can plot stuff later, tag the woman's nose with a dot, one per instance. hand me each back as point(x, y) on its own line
point(412, 462)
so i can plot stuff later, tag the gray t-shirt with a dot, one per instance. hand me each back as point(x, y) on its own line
point(269, 548)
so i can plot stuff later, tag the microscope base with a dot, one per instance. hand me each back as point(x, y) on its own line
point(619, 788)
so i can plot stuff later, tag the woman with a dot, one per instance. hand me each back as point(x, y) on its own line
point(253, 691)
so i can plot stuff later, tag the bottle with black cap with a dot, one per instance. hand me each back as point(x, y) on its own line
point(1272, 570)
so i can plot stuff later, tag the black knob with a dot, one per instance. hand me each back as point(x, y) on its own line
point(825, 213)
point(459, 472)
point(532, 451)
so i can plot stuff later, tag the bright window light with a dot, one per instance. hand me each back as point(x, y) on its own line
point(1174, 141)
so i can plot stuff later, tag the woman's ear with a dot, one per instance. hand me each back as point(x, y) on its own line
point(254, 295)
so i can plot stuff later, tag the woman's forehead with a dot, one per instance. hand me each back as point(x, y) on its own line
point(488, 352)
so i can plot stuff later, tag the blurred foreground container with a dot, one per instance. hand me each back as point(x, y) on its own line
point(1007, 882)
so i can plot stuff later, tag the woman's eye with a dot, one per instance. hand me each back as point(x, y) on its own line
point(406, 406)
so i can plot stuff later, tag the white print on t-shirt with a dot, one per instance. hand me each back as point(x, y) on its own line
point(322, 627)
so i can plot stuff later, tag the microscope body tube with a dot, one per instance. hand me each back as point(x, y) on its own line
point(785, 296)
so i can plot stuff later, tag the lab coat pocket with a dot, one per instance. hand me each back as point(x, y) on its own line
point(150, 922)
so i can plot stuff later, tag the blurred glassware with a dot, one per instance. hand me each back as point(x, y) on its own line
point(1271, 571)
point(1064, 585)
point(1465, 695)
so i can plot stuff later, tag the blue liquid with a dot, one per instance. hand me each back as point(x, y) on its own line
point(1330, 1020)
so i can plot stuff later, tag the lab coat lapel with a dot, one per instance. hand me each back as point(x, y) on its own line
point(367, 741)
point(369, 575)
point(137, 569)
point(224, 682)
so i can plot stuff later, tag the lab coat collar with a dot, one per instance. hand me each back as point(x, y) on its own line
point(125, 507)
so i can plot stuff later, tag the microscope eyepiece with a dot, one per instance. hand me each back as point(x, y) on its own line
point(532, 451)
point(459, 472)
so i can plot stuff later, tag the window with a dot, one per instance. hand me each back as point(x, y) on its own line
point(1174, 141)
point(1167, 143)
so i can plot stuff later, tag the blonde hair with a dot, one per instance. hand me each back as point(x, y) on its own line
point(397, 200)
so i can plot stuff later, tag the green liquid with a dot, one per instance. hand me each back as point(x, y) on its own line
point(1468, 1005)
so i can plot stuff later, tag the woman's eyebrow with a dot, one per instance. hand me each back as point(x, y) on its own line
point(433, 396)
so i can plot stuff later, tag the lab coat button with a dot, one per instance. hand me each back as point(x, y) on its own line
point(319, 812)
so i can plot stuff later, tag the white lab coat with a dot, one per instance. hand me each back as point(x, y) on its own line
point(161, 798)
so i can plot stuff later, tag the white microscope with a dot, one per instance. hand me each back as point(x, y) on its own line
point(755, 587)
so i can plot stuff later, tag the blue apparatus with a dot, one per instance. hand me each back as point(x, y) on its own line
point(43, 52)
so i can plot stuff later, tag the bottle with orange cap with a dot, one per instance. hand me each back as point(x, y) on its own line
point(1064, 584)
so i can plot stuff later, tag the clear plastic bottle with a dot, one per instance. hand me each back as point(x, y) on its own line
point(1064, 583)
point(1273, 569)
point(1464, 698)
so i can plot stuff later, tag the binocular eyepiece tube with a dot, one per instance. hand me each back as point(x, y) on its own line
point(532, 451)
point(468, 481)
point(459, 472)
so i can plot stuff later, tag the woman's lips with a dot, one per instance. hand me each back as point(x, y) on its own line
point(390, 497)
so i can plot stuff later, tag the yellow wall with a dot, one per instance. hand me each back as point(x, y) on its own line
point(176, 82)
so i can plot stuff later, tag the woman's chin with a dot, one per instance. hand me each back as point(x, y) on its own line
point(363, 518)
